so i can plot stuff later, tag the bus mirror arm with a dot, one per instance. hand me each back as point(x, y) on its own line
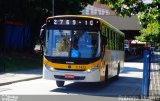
point(42, 31)
point(42, 36)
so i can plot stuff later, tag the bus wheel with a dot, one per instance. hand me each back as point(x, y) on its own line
point(106, 73)
point(118, 71)
point(60, 83)
point(103, 83)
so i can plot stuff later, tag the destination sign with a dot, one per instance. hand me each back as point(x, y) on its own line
point(73, 22)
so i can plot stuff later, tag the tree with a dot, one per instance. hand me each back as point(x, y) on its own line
point(63, 7)
point(30, 12)
point(35, 12)
point(150, 33)
point(148, 15)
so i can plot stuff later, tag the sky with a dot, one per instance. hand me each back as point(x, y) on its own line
point(147, 1)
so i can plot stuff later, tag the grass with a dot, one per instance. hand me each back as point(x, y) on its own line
point(20, 61)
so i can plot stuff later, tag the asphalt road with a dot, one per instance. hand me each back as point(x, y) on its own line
point(128, 84)
point(127, 87)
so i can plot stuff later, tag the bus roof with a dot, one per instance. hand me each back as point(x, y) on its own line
point(96, 18)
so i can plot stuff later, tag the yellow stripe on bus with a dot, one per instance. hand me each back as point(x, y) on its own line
point(72, 66)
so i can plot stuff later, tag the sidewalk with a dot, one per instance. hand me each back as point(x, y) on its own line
point(154, 89)
point(8, 78)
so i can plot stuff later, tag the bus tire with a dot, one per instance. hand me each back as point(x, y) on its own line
point(106, 73)
point(103, 83)
point(60, 83)
point(118, 71)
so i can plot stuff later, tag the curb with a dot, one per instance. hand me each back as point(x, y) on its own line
point(7, 83)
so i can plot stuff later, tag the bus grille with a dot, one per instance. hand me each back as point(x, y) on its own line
point(69, 69)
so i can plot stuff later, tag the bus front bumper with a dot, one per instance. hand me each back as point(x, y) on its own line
point(76, 76)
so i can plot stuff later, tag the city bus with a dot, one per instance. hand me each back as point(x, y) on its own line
point(81, 49)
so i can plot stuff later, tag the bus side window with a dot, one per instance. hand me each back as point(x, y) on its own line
point(120, 45)
point(103, 30)
point(104, 38)
point(110, 39)
point(121, 42)
point(118, 42)
point(107, 36)
point(115, 41)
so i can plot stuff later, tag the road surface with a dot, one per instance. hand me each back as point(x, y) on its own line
point(128, 84)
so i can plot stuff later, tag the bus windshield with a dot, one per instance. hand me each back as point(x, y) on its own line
point(72, 43)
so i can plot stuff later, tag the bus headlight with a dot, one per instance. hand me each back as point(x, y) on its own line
point(92, 69)
point(49, 68)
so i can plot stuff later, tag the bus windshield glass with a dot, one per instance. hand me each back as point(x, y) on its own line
point(72, 43)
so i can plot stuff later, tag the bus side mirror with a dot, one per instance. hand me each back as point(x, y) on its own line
point(42, 37)
point(104, 40)
point(42, 32)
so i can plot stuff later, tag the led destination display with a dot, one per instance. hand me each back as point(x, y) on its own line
point(74, 22)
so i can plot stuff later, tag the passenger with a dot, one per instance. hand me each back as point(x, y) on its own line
point(84, 45)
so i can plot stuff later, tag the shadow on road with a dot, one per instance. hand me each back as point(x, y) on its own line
point(128, 84)
point(129, 69)
point(124, 86)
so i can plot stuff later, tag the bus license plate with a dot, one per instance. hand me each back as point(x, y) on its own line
point(69, 76)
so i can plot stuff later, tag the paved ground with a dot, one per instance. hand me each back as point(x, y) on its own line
point(129, 84)
point(8, 78)
point(155, 75)
point(13, 77)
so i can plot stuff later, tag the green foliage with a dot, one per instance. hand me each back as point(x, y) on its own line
point(63, 7)
point(24, 9)
point(35, 12)
point(30, 12)
point(148, 16)
point(150, 21)
point(20, 61)
point(151, 33)
point(124, 7)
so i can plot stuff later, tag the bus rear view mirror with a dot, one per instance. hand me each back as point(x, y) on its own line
point(42, 31)
point(42, 37)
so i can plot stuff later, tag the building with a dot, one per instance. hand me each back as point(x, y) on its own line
point(128, 25)
point(97, 9)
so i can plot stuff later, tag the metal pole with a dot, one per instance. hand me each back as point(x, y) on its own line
point(146, 74)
